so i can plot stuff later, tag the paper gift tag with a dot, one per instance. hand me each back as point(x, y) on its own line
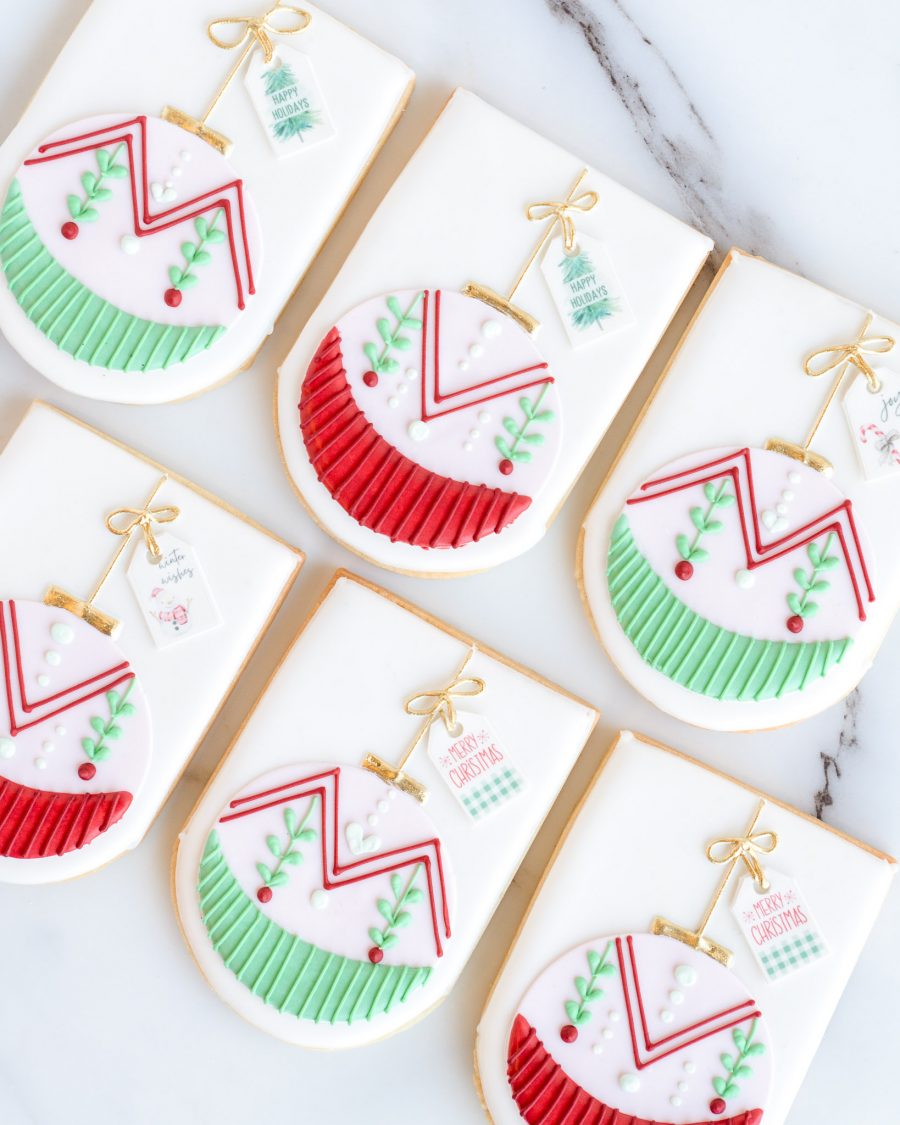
point(874, 420)
point(778, 925)
point(474, 764)
point(288, 100)
point(173, 594)
point(586, 290)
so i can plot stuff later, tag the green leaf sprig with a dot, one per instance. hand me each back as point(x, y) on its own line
point(704, 522)
point(288, 853)
point(108, 730)
point(195, 253)
point(93, 184)
point(736, 1066)
point(395, 914)
point(521, 432)
point(812, 583)
point(588, 989)
point(392, 338)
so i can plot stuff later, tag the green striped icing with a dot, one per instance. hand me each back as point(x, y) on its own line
point(286, 972)
point(77, 320)
point(695, 653)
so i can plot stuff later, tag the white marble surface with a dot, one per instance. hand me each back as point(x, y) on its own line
point(769, 125)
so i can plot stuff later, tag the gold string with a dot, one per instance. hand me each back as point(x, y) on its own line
point(735, 850)
point(126, 533)
point(124, 520)
point(439, 704)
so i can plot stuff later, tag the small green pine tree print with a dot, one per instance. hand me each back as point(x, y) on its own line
point(296, 125)
point(574, 267)
point(278, 78)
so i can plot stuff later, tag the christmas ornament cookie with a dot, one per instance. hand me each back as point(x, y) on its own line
point(145, 252)
point(433, 424)
point(103, 695)
point(334, 901)
point(747, 585)
point(657, 1021)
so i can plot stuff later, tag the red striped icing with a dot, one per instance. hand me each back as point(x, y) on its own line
point(378, 486)
point(35, 824)
point(546, 1095)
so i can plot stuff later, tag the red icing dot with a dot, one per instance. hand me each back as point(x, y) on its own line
point(376, 954)
point(684, 570)
point(795, 623)
point(505, 466)
point(86, 771)
point(370, 379)
point(172, 297)
point(717, 1105)
point(264, 894)
point(569, 1033)
point(69, 230)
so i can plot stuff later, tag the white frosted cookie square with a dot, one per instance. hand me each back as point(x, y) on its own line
point(138, 262)
point(428, 430)
point(736, 587)
point(325, 905)
point(594, 1012)
point(96, 730)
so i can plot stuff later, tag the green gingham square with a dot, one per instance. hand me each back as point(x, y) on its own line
point(497, 790)
point(791, 955)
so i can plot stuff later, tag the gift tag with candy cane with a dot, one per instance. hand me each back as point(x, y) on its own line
point(172, 591)
point(777, 924)
point(474, 764)
point(873, 415)
point(288, 100)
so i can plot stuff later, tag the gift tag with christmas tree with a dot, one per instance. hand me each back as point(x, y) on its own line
point(288, 100)
point(586, 289)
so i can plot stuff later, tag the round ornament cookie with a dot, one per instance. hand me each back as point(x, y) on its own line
point(638, 1029)
point(75, 735)
point(740, 575)
point(129, 245)
point(325, 897)
point(430, 417)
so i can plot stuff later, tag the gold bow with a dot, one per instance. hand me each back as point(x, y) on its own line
point(124, 520)
point(745, 848)
point(837, 355)
point(439, 704)
point(260, 28)
point(558, 212)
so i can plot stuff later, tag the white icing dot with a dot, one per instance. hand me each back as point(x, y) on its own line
point(7, 748)
point(60, 731)
point(382, 806)
point(686, 975)
point(402, 389)
point(43, 679)
point(683, 1087)
point(372, 819)
point(676, 997)
point(392, 793)
point(418, 430)
point(52, 657)
point(597, 1048)
point(607, 1033)
point(484, 416)
point(787, 496)
point(393, 402)
point(614, 1016)
point(41, 763)
point(48, 747)
point(491, 328)
point(630, 1083)
point(794, 477)
point(411, 373)
point(675, 1101)
point(690, 1068)
point(62, 634)
point(666, 1016)
point(129, 244)
point(176, 171)
point(318, 900)
point(474, 434)
point(781, 509)
point(169, 184)
point(463, 365)
point(744, 578)
point(185, 155)
point(468, 446)
point(475, 350)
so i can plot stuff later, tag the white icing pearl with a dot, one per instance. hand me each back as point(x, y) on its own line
point(614, 1016)
point(52, 657)
point(60, 731)
point(7, 748)
point(491, 328)
point(463, 365)
point(129, 244)
point(787, 496)
point(744, 578)
point(597, 1048)
point(484, 416)
point(43, 680)
point(475, 350)
point(41, 763)
point(675, 1101)
point(48, 747)
point(630, 1083)
point(474, 434)
point(781, 509)
point(794, 477)
point(666, 1016)
point(418, 430)
point(686, 975)
point(382, 806)
point(185, 155)
point(402, 389)
point(690, 1068)
point(393, 402)
point(392, 793)
point(176, 172)
point(318, 900)
point(468, 446)
point(683, 1087)
point(372, 819)
point(607, 1033)
point(62, 634)
point(676, 997)
point(169, 184)
point(411, 373)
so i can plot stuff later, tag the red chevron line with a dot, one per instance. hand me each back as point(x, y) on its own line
point(758, 553)
point(739, 1011)
point(146, 223)
point(335, 874)
point(437, 397)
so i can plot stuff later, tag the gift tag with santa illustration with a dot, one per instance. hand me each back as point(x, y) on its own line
point(778, 925)
point(288, 100)
point(874, 420)
point(474, 764)
point(172, 591)
point(586, 290)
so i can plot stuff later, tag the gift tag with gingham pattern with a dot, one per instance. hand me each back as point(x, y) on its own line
point(778, 925)
point(474, 764)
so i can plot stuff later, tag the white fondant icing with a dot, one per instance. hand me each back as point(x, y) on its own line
point(52, 657)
